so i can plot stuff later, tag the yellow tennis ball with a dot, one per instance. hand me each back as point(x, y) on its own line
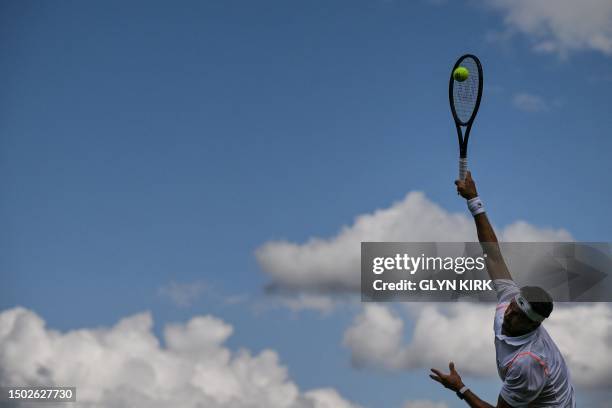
point(461, 74)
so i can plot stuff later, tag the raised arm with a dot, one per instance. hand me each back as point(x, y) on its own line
point(496, 266)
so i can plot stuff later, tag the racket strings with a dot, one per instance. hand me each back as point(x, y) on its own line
point(465, 94)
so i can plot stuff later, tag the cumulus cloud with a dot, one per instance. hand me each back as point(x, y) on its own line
point(305, 301)
point(327, 398)
point(375, 339)
point(462, 332)
point(522, 231)
point(560, 26)
point(125, 365)
point(584, 335)
point(333, 264)
point(529, 102)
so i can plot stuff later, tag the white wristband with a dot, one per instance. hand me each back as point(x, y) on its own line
point(475, 206)
point(462, 391)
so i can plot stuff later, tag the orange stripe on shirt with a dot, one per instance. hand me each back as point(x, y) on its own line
point(530, 354)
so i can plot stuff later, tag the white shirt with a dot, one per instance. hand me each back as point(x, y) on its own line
point(532, 368)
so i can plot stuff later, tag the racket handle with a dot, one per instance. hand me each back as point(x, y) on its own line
point(463, 168)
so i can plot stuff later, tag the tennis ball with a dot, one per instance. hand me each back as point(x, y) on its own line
point(461, 74)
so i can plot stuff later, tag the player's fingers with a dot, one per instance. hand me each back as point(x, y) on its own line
point(451, 366)
point(468, 175)
point(433, 377)
point(437, 372)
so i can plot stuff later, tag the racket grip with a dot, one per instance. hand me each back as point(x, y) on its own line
point(463, 168)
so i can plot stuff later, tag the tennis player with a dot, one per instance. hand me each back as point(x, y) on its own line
point(529, 363)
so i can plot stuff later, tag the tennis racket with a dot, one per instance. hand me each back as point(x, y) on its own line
point(464, 97)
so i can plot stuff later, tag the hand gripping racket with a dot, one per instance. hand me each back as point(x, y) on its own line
point(464, 95)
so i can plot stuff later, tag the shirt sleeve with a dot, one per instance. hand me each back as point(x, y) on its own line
point(505, 289)
point(524, 381)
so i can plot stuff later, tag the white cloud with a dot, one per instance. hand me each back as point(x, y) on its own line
point(327, 398)
point(424, 404)
point(376, 338)
point(583, 333)
point(305, 301)
point(333, 264)
point(125, 365)
point(183, 294)
point(560, 26)
point(462, 332)
point(529, 102)
point(520, 231)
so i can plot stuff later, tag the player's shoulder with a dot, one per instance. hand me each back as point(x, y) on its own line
point(529, 361)
point(545, 346)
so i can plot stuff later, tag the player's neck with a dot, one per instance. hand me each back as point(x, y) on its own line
point(518, 333)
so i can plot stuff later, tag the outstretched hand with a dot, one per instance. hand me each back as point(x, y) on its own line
point(467, 188)
point(452, 381)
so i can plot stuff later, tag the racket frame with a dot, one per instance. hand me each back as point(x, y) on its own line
point(463, 138)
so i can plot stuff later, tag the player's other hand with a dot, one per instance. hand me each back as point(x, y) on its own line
point(467, 188)
point(452, 380)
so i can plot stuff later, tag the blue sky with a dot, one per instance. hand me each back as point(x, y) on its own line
point(149, 143)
